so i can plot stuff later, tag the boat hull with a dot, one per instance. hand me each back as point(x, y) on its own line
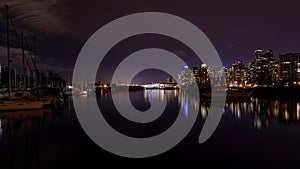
point(20, 105)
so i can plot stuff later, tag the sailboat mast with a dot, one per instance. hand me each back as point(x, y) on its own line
point(34, 62)
point(34, 49)
point(68, 82)
point(8, 53)
point(24, 61)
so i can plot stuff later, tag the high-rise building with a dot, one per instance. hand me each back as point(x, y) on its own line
point(289, 66)
point(274, 69)
point(258, 54)
point(264, 71)
point(251, 73)
point(201, 75)
point(186, 77)
point(216, 77)
point(268, 55)
point(237, 74)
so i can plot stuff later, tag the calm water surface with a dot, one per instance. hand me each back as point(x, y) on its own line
point(253, 133)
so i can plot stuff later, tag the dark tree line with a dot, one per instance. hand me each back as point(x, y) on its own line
point(39, 79)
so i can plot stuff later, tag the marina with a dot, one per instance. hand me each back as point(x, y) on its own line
point(23, 96)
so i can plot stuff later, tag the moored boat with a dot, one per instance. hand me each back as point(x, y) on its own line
point(11, 105)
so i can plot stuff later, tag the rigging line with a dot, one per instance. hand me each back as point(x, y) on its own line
point(27, 46)
point(19, 40)
point(36, 80)
point(26, 43)
point(15, 31)
point(30, 53)
point(18, 37)
point(28, 66)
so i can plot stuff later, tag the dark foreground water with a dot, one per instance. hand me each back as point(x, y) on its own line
point(253, 133)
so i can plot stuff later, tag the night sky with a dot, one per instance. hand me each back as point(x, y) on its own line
point(236, 28)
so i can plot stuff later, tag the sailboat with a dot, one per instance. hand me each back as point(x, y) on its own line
point(69, 90)
point(11, 105)
point(20, 100)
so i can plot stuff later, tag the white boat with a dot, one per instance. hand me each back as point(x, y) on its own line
point(83, 92)
point(68, 90)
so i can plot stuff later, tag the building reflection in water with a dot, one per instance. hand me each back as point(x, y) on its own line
point(160, 95)
point(264, 111)
point(187, 102)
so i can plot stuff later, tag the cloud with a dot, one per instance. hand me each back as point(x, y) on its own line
point(42, 61)
point(15, 56)
point(46, 67)
point(47, 16)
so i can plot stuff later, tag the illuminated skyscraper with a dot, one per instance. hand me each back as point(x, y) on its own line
point(186, 76)
point(289, 67)
point(268, 55)
point(237, 74)
point(201, 75)
point(258, 54)
point(262, 71)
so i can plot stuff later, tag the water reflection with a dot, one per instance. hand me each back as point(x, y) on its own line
point(263, 111)
point(0, 128)
point(187, 102)
point(21, 131)
point(38, 139)
point(160, 95)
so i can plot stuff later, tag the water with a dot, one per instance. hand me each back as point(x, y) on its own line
point(253, 133)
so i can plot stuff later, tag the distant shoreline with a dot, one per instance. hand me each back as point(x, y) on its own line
point(277, 92)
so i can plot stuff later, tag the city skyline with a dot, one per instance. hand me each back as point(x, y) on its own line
point(235, 28)
point(281, 62)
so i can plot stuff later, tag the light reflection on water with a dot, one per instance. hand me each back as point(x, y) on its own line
point(184, 100)
point(39, 138)
point(262, 111)
point(160, 95)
